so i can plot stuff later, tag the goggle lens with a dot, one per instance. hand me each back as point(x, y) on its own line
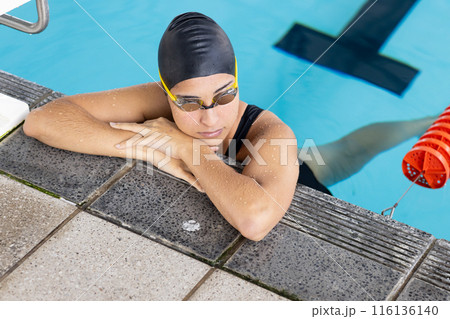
point(190, 107)
point(225, 99)
point(221, 99)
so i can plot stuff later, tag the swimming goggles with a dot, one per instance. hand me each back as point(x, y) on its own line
point(193, 104)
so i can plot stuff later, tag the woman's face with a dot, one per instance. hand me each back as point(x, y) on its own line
point(214, 123)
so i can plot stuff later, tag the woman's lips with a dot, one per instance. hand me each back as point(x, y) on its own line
point(211, 134)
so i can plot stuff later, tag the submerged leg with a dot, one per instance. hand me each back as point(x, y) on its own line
point(348, 155)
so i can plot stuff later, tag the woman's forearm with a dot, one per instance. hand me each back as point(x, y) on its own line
point(239, 198)
point(65, 125)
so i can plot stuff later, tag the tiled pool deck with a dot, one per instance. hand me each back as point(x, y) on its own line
point(82, 227)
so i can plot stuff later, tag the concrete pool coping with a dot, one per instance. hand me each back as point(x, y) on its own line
point(82, 227)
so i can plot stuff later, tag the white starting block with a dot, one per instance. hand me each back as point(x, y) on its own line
point(8, 5)
point(12, 113)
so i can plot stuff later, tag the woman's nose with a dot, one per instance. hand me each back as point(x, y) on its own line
point(209, 117)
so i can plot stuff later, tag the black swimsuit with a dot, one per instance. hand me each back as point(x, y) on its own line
point(306, 176)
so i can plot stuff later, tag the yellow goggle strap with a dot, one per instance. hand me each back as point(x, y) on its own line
point(235, 73)
point(166, 88)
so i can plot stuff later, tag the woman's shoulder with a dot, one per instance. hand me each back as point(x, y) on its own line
point(264, 126)
point(268, 124)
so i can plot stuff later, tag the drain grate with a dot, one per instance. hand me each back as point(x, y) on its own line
point(356, 229)
point(21, 89)
point(435, 269)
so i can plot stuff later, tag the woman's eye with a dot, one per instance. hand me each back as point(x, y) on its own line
point(189, 107)
point(225, 99)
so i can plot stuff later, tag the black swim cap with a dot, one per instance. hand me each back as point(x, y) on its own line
point(194, 45)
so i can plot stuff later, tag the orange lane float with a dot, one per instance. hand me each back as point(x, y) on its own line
point(430, 156)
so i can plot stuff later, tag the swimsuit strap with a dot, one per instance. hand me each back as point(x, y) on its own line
point(247, 119)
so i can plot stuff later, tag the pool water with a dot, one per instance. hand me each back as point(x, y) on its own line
point(74, 55)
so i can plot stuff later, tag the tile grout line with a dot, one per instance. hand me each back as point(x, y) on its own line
point(42, 98)
point(199, 284)
point(404, 280)
point(38, 245)
point(230, 251)
point(221, 261)
point(96, 194)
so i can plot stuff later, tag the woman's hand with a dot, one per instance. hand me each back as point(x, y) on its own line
point(158, 142)
point(160, 134)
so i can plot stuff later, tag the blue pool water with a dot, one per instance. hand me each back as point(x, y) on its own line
point(74, 55)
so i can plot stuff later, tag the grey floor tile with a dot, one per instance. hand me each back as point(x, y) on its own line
point(431, 281)
point(21, 89)
point(419, 290)
point(307, 268)
point(71, 175)
point(26, 217)
point(91, 259)
point(223, 286)
point(176, 213)
point(371, 235)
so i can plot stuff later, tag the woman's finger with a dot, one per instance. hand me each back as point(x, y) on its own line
point(149, 140)
point(139, 139)
point(193, 181)
point(153, 141)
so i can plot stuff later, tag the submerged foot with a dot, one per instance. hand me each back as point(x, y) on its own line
point(424, 124)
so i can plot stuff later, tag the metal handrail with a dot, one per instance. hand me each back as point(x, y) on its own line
point(25, 26)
